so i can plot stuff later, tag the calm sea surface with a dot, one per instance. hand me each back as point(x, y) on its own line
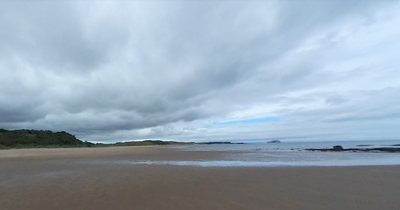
point(290, 154)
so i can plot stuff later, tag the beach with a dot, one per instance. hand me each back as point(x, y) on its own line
point(112, 178)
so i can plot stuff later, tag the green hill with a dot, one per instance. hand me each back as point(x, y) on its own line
point(38, 138)
point(150, 143)
point(48, 139)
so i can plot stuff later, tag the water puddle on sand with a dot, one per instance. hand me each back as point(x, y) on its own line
point(228, 163)
point(272, 159)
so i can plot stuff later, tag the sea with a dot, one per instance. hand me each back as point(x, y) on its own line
point(289, 154)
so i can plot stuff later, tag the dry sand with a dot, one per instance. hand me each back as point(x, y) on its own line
point(100, 178)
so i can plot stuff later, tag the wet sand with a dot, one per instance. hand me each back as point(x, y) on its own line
point(102, 178)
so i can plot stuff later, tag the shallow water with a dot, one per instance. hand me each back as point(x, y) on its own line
point(289, 145)
point(287, 154)
point(289, 159)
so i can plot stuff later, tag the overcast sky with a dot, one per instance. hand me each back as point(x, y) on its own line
point(111, 71)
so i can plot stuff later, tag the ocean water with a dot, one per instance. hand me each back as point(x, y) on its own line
point(298, 145)
point(288, 154)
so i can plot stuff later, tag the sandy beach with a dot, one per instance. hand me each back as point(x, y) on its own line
point(104, 178)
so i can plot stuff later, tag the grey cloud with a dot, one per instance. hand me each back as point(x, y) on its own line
point(119, 68)
point(50, 34)
point(335, 99)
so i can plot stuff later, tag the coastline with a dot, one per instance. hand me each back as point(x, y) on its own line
point(88, 178)
point(66, 152)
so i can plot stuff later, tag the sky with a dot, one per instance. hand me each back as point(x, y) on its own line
point(109, 71)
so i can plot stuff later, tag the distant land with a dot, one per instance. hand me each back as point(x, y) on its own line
point(274, 141)
point(220, 142)
point(15, 139)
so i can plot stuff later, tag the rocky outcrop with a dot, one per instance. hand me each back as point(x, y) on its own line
point(339, 148)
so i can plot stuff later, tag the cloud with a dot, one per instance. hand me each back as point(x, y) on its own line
point(112, 71)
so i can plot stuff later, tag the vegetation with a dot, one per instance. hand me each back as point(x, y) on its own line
point(49, 139)
point(144, 143)
point(35, 138)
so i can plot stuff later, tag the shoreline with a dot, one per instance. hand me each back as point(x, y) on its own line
point(63, 152)
point(175, 156)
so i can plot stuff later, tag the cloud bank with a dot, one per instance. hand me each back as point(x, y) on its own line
point(202, 70)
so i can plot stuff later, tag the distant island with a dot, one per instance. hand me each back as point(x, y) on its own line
point(274, 141)
point(15, 139)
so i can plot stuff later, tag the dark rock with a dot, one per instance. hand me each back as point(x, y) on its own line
point(340, 149)
point(337, 148)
